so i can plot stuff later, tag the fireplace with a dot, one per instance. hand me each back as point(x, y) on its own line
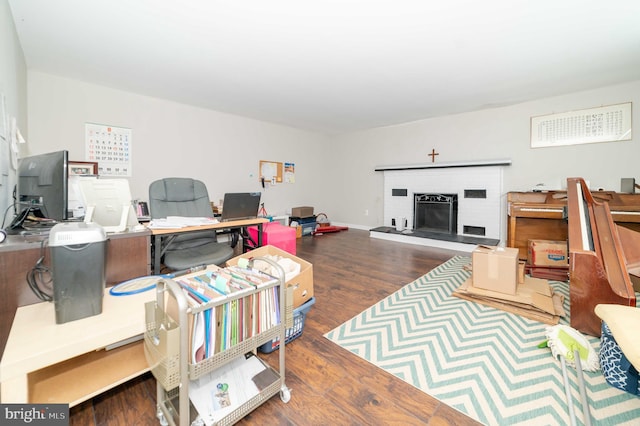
point(472, 215)
point(435, 212)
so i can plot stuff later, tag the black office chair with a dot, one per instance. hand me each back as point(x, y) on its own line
point(186, 197)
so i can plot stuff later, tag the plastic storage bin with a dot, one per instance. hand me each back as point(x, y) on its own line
point(299, 315)
point(277, 235)
point(78, 259)
point(308, 224)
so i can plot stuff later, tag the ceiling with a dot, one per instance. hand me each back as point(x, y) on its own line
point(335, 66)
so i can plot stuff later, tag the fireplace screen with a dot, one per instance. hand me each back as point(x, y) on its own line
point(436, 213)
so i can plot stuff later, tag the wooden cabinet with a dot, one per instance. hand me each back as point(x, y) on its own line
point(541, 215)
point(128, 256)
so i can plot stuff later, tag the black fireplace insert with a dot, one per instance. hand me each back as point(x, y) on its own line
point(436, 213)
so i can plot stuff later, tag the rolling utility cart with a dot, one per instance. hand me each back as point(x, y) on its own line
point(169, 342)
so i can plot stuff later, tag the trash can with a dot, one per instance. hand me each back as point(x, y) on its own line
point(78, 258)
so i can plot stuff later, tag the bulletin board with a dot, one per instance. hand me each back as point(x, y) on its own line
point(110, 147)
point(271, 171)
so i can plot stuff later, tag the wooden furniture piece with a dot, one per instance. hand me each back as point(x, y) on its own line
point(160, 234)
point(541, 215)
point(45, 362)
point(599, 254)
point(128, 256)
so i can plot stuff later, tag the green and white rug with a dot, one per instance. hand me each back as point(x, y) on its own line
point(479, 360)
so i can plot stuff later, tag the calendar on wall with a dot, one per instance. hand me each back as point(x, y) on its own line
point(602, 124)
point(110, 147)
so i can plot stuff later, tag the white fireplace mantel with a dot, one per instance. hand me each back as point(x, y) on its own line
point(475, 163)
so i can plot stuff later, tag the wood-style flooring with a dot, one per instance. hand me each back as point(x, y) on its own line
point(328, 384)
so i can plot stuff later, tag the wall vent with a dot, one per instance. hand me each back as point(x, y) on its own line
point(475, 193)
point(474, 230)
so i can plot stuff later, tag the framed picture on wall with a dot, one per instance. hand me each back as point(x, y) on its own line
point(611, 123)
point(82, 168)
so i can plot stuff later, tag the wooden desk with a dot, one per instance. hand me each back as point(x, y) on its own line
point(128, 256)
point(160, 234)
point(540, 215)
point(45, 362)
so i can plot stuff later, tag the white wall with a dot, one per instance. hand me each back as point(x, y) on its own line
point(335, 175)
point(13, 85)
point(483, 135)
point(172, 139)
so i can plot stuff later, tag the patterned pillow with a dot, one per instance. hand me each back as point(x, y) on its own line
point(616, 368)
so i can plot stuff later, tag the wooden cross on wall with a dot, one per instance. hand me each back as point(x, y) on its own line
point(433, 155)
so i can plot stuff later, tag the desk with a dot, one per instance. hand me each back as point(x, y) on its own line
point(45, 362)
point(128, 256)
point(160, 234)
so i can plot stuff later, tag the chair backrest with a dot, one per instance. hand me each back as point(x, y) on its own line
point(179, 197)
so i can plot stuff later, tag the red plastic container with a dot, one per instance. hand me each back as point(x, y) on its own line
point(275, 234)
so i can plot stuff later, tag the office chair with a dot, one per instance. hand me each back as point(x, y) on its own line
point(186, 197)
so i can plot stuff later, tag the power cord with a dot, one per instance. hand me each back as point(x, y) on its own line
point(4, 216)
point(39, 276)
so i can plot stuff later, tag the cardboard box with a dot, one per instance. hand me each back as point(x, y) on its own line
point(495, 268)
point(302, 282)
point(548, 253)
point(521, 273)
point(304, 211)
point(534, 299)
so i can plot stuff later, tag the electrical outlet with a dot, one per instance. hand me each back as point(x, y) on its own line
point(366, 212)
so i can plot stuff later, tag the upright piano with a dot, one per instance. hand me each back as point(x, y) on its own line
point(601, 256)
point(541, 215)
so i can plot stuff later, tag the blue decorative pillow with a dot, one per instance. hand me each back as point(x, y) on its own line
point(617, 369)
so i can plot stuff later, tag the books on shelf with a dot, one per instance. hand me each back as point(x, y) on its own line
point(228, 306)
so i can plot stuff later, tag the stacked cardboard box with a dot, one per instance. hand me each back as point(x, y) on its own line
point(495, 268)
point(548, 253)
point(304, 211)
point(498, 280)
point(548, 259)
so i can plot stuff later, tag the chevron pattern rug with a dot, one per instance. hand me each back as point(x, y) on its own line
point(479, 360)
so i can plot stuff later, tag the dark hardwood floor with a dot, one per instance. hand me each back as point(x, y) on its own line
point(328, 384)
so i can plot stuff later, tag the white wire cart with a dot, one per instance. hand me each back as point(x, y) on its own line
point(167, 349)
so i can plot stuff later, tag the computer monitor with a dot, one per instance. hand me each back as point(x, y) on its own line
point(107, 202)
point(240, 205)
point(42, 187)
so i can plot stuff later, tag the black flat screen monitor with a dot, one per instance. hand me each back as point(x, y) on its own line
point(43, 185)
point(240, 205)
